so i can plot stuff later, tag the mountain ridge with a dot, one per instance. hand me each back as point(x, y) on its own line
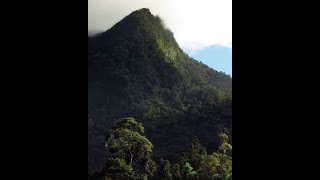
point(136, 68)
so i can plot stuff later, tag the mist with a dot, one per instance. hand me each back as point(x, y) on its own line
point(196, 24)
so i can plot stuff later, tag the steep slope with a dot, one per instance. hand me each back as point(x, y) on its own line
point(137, 69)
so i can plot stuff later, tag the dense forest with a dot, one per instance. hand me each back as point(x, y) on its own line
point(131, 158)
point(137, 69)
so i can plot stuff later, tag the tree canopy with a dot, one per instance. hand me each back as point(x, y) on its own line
point(131, 157)
point(130, 151)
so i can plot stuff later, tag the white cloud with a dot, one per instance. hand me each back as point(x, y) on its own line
point(196, 24)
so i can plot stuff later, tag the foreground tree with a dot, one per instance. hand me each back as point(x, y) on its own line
point(208, 168)
point(225, 157)
point(188, 172)
point(118, 169)
point(130, 151)
point(164, 170)
point(175, 171)
point(218, 165)
point(195, 154)
point(197, 164)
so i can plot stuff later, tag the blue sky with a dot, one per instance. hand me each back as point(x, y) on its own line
point(216, 57)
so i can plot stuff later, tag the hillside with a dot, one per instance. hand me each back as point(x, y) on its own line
point(137, 69)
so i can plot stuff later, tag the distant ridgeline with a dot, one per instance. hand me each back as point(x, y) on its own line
point(137, 69)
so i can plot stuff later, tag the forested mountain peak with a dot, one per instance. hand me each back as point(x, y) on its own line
point(137, 69)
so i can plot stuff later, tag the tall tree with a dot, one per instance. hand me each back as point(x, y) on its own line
point(165, 170)
point(195, 154)
point(225, 156)
point(188, 172)
point(175, 171)
point(130, 151)
point(218, 165)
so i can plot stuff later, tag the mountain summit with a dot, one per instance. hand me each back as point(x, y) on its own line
point(137, 69)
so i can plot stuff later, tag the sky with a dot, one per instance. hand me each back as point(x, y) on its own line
point(217, 57)
point(201, 27)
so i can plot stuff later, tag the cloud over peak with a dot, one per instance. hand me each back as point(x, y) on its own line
point(196, 24)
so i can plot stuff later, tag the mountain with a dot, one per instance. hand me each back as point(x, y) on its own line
point(137, 69)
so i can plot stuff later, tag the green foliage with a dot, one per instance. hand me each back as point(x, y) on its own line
point(188, 173)
point(195, 154)
point(175, 171)
point(208, 168)
point(165, 170)
point(118, 169)
point(225, 168)
point(130, 124)
point(224, 147)
point(133, 162)
point(150, 167)
point(137, 69)
point(217, 165)
point(130, 151)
